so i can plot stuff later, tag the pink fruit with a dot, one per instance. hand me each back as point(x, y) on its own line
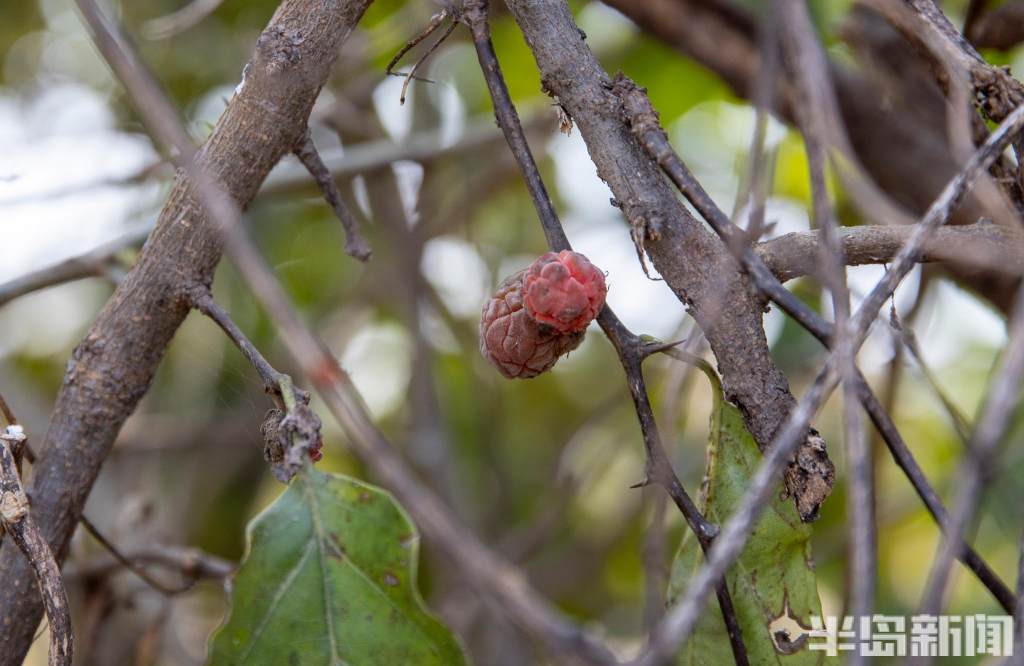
point(564, 291)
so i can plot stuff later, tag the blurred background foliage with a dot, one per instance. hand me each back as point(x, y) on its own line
point(539, 468)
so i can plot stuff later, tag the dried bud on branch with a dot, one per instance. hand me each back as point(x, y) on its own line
point(539, 314)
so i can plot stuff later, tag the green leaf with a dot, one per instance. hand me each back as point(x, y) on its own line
point(772, 583)
point(329, 577)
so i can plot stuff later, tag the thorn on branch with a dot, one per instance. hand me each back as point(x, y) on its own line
point(355, 245)
point(435, 23)
point(641, 484)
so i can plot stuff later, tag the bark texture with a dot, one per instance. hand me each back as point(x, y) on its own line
point(693, 262)
point(111, 369)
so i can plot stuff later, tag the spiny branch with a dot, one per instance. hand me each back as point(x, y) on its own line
point(630, 348)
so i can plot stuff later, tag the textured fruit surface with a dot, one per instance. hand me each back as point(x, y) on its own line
point(564, 290)
point(511, 340)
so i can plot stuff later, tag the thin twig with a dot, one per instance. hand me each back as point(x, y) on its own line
point(631, 349)
point(978, 461)
point(93, 263)
point(272, 379)
point(435, 22)
point(818, 110)
point(131, 565)
point(18, 523)
point(905, 337)
point(415, 68)
point(190, 563)
point(180, 20)
point(355, 245)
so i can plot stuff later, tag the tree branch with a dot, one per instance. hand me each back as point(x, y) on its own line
point(693, 262)
point(631, 349)
point(910, 114)
point(644, 121)
point(21, 528)
point(818, 119)
point(113, 366)
point(678, 624)
point(355, 245)
point(984, 245)
point(500, 582)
